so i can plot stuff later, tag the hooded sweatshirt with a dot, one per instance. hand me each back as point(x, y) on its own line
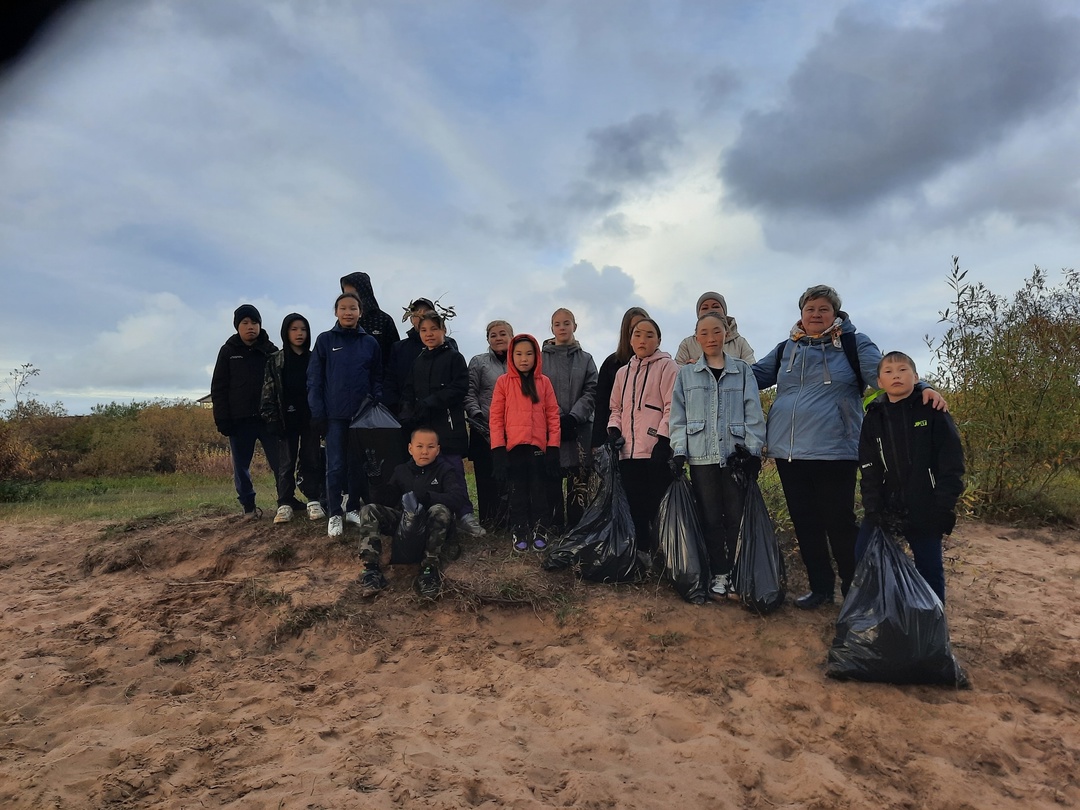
point(734, 344)
point(573, 377)
point(284, 394)
point(515, 419)
point(372, 319)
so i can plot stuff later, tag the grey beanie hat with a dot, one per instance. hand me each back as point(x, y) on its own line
point(715, 296)
point(246, 311)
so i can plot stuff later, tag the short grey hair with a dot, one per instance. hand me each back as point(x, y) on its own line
point(821, 291)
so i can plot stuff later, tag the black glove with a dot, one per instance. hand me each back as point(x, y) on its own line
point(424, 498)
point(615, 439)
point(744, 462)
point(320, 426)
point(677, 463)
point(568, 426)
point(946, 522)
point(551, 461)
point(500, 463)
point(661, 450)
point(892, 521)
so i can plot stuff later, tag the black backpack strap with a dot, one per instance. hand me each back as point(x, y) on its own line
point(851, 352)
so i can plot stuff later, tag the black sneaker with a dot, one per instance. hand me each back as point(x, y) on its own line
point(371, 581)
point(429, 583)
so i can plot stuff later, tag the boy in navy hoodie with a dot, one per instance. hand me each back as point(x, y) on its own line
point(912, 463)
point(236, 391)
point(288, 417)
point(435, 484)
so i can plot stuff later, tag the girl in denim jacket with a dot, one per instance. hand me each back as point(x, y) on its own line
point(718, 426)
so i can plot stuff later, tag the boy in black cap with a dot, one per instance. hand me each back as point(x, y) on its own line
point(236, 390)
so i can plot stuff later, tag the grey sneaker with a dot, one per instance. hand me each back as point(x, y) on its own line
point(352, 518)
point(315, 511)
point(284, 514)
point(468, 524)
point(721, 585)
point(335, 528)
point(252, 513)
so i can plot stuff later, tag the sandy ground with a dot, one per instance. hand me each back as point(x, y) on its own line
point(174, 665)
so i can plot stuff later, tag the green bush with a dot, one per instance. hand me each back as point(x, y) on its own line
point(1009, 369)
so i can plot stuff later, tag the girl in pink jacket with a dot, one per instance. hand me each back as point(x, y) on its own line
point(525, 439)
point(638, 426)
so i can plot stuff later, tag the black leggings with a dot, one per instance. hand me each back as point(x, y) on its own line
point(720, 504)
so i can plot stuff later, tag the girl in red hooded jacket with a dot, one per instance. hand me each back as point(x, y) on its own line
point(525, 440)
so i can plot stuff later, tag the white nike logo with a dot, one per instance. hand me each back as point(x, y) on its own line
point(337, 348)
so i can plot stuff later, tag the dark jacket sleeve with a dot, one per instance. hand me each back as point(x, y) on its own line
point(949, 462)
point(270, 404)
point(219, 388)
point(377, 370)
point(316, 381)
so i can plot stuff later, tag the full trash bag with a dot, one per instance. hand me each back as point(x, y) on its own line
point(375, 437)
point(892, 626)
point(681, 544)
point(759, 576)
point(602, 545)
point(410, 537)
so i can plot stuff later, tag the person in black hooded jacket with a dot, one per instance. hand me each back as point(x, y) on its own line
point(434, 396)
point(236, 392)
point(372, 319)
point(288, 416)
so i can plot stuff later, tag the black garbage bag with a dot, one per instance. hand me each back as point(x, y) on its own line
point(375, 436)
point(602, 546)
point(681, 544)
point(410, 537)
point(892, 626)
point(759, 575)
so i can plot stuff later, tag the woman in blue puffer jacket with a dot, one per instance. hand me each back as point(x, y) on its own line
point(820, 374)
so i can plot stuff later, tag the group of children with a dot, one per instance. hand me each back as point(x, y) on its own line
point(529, 416)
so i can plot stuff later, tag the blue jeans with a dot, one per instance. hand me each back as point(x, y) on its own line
point(925, 548)
point(344, 475)
point(242, 448)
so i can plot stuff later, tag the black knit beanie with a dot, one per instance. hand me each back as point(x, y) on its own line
point(246, 311)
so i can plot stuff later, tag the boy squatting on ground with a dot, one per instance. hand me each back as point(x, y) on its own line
point(912, 464)
point(437, 485)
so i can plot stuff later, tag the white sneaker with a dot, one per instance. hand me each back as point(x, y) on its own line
point(284, 514)
point(315, 511)
point(721, 585)
point(470, 525)
point(353, 517)
point(335, 529)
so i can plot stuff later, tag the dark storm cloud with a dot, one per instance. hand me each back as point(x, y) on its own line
point(716, 88)
point(875, 110)
point(635, 150)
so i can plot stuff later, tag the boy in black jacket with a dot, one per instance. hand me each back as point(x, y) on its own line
point(912, 465)
point(288, 417)
point(236, 391)
point(435, 484)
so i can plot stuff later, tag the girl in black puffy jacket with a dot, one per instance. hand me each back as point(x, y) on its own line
point(434, 396)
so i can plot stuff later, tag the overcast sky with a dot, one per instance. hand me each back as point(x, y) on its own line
point(162, 162)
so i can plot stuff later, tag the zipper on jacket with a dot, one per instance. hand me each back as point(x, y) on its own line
point(798, 393)
point(933, 481)
point(881, 453)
